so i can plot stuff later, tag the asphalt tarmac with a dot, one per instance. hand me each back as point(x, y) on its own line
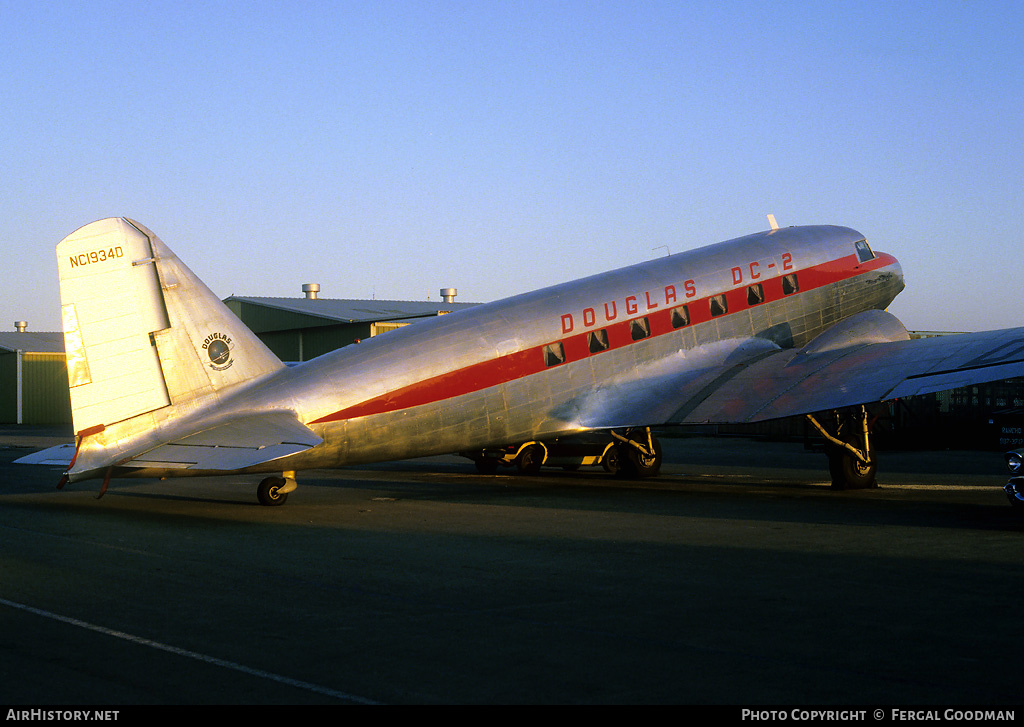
point(737, 577)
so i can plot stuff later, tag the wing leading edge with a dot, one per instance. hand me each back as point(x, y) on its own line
point(824, 375)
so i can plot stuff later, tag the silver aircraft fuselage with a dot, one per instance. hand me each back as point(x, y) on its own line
point(533, 366)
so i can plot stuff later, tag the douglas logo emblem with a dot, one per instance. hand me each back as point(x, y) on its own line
point(218, 348)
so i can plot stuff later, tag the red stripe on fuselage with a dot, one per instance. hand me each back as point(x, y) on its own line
point(526, 362)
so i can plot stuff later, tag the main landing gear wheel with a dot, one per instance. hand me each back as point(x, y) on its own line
point(849, 472)
point(640, 454)
point(851, 460)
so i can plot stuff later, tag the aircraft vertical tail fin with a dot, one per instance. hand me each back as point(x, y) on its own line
point(141, 331)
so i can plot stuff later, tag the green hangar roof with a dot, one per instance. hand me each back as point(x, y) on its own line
point(32, 341)
point(298, 329)
point(286, 313)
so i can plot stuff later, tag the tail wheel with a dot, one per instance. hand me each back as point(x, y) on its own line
point(268, 492)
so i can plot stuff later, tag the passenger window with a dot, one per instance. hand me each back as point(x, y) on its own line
point(864, 252)
point(680, 316)
point(554, 354)
point(789, 284)
point(597, 341)
point(639, 329)
point(755, 294)
point(718, 305)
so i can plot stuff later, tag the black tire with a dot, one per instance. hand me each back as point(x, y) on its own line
point(267, 492)
point(847, 470)
point(530, 459)
point(1014, 490)
point(849, 473)
point(644, 465)
point(612, 460)
point(634, 463)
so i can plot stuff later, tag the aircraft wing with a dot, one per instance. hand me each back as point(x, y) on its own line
point(771, 383)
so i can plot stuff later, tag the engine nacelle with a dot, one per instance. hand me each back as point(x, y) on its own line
point(872, 326)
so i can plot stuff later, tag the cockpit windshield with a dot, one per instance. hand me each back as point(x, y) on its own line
point(864, 252)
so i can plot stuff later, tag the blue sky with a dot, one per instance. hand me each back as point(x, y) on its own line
point(390, 149)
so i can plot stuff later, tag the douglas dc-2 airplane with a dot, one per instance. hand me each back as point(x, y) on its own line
point(166, 381)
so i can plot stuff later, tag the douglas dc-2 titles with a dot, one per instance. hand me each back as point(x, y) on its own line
point(668, 296)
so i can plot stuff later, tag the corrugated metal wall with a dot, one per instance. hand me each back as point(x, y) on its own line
point(45, 396)
point(8, 387)
point(44, 389)
point(304, 344)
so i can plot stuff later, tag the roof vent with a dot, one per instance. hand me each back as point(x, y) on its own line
point(21, 326)
point(448, 294)
point(311, 290)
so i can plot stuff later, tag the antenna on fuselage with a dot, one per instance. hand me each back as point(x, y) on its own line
point(772, 222)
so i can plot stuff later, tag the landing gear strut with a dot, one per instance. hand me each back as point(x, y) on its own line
point(851, 461)
point(640, 453)
point(630, 453)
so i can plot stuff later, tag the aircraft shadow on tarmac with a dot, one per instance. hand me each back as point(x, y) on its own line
point(690, 490)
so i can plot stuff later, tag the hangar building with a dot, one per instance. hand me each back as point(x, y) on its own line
point(33, 378)
point(298, 329)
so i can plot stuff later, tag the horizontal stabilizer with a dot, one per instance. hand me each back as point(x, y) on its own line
point(239, 443)
point(61, 455)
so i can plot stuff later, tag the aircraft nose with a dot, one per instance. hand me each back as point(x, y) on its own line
point(898, 271)
point(894, 269)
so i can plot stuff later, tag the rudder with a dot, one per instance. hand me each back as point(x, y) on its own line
point(141, 331)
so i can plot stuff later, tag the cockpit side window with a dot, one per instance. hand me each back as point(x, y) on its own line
point(864, 252)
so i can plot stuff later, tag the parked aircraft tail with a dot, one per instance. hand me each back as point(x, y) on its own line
point(141, 331)
point(154, 362)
